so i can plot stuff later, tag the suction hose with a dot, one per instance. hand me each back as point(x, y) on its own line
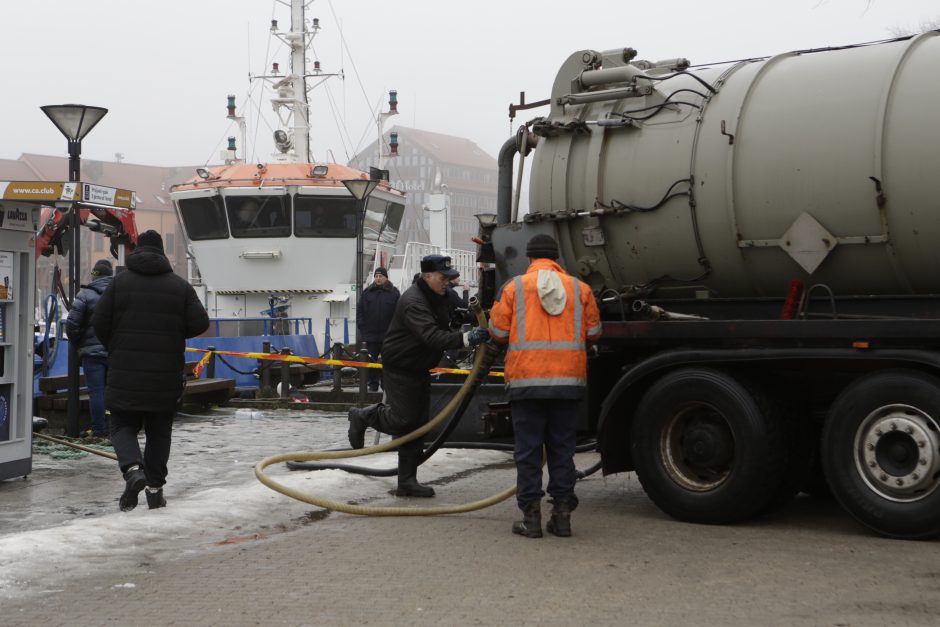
point(484, 358)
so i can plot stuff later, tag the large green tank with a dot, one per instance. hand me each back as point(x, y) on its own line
point(735, 178)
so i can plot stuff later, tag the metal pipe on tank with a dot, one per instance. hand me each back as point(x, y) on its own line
point(504, 173)
point(623, 74)
point(504, 180)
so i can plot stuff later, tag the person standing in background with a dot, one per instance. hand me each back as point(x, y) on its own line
point(93, 355)
point(143, 320)
point(374, 314)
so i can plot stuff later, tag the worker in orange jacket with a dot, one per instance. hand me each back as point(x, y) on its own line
point(547, 318)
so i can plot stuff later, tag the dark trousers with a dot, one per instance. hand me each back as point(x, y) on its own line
point(406, 407)
point(96, 372)
point(375, 374)
point(552, 423)
point(158, 426)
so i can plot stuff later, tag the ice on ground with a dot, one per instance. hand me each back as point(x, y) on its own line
point(64, 521)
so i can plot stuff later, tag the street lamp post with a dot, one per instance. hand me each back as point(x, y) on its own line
point(75, 122)
point(360, 189)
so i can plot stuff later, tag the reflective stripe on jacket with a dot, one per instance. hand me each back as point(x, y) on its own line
point(546, 356)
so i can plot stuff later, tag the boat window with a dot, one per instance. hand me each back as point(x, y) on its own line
point(203, 218)
point(374, 216)
point(258, 216)
point(324, 216)
point(393, 218)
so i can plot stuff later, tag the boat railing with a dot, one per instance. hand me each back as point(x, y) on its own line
point(260, 325)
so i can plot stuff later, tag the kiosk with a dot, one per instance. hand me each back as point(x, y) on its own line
point(19, 216)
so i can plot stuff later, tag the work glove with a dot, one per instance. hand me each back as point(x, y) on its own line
point(475, 337)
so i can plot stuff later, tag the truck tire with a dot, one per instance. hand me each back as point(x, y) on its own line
point(881, 452)
point(705, 451)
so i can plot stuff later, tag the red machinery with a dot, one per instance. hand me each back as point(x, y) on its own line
point(116, 223)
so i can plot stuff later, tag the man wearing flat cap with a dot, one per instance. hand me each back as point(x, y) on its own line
point(374, 314)
point(417, 338)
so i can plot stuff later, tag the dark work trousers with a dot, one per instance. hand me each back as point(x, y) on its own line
point(552, 423)
point(125, 425)
point(375, 374)
point(406, 407)
point(96, 373)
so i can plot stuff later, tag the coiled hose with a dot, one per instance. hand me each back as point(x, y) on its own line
point(483, 359)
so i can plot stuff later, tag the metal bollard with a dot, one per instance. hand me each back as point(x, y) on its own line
point(285, 374)
point(363, 373)
point(337, 370)
point(265, 381)
point(210, 367)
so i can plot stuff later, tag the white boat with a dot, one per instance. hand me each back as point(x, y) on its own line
point(281, 247)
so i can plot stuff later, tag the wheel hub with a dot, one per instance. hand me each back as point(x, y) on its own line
point(898, 452)
point(698, 448)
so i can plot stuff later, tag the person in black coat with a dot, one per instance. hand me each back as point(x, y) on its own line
point(374, 314)
point(92, 353)
point(416, 339)
point(143, 320)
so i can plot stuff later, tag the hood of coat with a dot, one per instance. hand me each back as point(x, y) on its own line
point(100, 284)
point(148, 260)
point(387, 286)
point(549, 286)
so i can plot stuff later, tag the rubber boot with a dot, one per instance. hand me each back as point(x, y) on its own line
point(408, 456)
point(531, 524)
point(360, 418)
point(560, 522)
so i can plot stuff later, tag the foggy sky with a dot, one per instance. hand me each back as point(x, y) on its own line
point(163, 69)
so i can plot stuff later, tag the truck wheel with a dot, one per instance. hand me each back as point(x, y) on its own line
point(705, 451)
point(881, 452)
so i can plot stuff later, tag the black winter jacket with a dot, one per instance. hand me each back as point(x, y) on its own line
point(78, 325)
point(418, 335)
point(376, 308)
point(143, 320)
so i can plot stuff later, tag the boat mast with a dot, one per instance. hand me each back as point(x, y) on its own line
point(291, 90)
point(297, 40)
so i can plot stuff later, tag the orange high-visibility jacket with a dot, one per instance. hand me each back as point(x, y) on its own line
point(546, 357)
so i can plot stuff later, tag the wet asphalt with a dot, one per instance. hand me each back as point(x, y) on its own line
point(228, 551)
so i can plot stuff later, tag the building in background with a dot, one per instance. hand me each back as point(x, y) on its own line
point(433, 163)
point(154, 210)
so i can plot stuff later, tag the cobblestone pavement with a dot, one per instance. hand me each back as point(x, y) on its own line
point(257, 558)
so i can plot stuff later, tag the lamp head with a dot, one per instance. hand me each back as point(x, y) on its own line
point(74, 120)
point(360, 188)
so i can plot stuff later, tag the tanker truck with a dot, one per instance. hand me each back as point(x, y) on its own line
point(763, 239)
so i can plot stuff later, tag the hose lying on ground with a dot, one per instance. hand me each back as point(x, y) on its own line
point(438, 443)
point(485, 355)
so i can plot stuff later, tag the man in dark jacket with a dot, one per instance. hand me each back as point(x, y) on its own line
point(143, 320)
point(416, 339)
point(374, 314)
point(93, 355)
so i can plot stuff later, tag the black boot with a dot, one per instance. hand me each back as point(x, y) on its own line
point(134, 482)
point(360, 418)
point(531, 524)
point(408, 456)
point(560, 522)
point(155, 498)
